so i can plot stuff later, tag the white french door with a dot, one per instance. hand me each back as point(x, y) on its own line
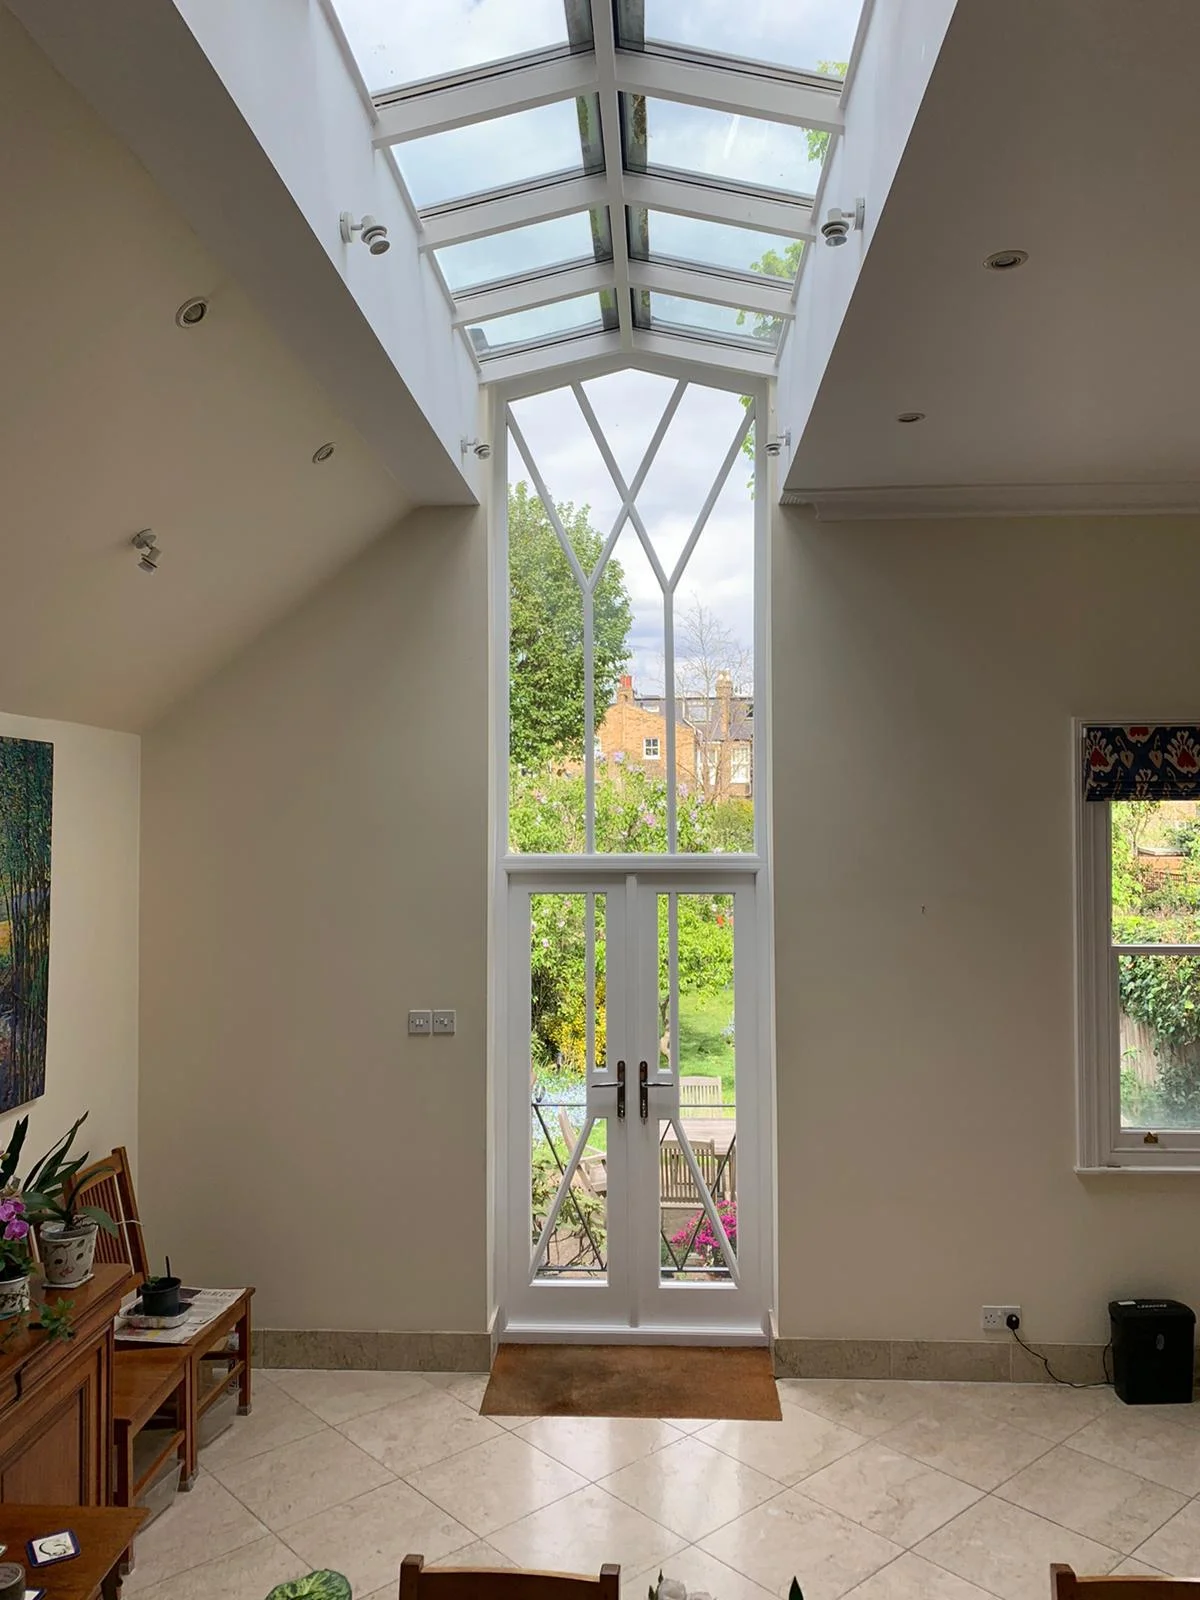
point(637, 1198)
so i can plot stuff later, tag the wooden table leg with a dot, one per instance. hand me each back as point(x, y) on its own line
point(188, 1390)
point(110, 1584)
point(243, 1347)
point(123, 1488)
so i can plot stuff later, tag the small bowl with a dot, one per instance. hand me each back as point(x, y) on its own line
point(160, 1297)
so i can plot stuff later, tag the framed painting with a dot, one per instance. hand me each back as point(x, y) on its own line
point(26, 804)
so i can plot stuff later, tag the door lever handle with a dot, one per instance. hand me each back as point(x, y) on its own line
point(643, 1089)
point(620, 1091)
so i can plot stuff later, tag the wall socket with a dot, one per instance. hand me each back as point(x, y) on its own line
point(994, 1318)
point(420, 1022)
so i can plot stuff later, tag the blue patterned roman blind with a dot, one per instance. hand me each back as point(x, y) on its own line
point(1141, 762)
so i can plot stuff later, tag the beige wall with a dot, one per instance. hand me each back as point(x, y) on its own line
point(92, 1036)
point(925, 678)
point(315, 851)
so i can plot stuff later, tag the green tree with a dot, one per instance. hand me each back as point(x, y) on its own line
point(545, 643)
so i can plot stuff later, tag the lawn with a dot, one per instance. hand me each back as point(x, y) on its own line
point(705, 1051)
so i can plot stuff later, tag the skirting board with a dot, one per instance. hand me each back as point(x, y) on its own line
point(937, 1360)
point(334, 1349)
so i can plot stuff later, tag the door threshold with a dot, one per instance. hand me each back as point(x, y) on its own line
point(540, 1333)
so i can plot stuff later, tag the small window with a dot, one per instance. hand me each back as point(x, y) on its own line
point(650, 750)
point(739, 764)
point(1139, 947)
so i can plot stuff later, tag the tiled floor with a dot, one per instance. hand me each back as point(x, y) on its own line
point(880, 1491)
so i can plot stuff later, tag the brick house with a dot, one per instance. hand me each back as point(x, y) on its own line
point(714, 737)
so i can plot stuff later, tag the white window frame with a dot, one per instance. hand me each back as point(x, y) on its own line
point(1103, 1145)
point(647, 753)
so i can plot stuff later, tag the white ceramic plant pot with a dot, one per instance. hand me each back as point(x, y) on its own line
point(14, 1297)
point(67, 1253)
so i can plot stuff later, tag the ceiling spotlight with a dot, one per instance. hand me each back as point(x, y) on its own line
point(480, 446)
point(780, 443)
point(323, 453)
point(147, 543)
point(191, 312)
point(1006, 260)
point(911, 416)
point(374, 234)
point(839, 224)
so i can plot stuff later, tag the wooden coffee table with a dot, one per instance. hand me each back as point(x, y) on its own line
point(105, 1535)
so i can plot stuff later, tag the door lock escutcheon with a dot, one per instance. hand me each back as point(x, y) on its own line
point(643, 1089)
point(620, 1091)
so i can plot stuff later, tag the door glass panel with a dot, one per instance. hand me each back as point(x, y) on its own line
point(567, 1046)
point(665, 236)
point(671, 136)
point(631, 769)
point(805, 37)
point(524, 147)
point(404, 42)
point(560, 241)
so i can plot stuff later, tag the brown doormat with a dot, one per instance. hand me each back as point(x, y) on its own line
point(632, 1380)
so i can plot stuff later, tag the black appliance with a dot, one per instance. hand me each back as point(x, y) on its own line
point(1153, 1343)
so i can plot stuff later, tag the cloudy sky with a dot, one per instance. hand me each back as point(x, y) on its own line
point(628, 406)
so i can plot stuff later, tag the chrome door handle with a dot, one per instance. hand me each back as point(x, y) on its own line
point(643, 1089)
point(620, 1091)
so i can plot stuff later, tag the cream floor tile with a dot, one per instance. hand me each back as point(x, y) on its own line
point(582, 1532)
point(691, 1424)
point(889, 1493)
point(1151, 1447)
point(368, 1538)
point(202, 1524)
point(978, 1450)
point(1093, 1498)
point(699, 1571)
point(787, 1451)
point(911, 1578)
point(793, 1536)
point(691, 1488)
point(276, 1419)
point(301, 1480)
point(496, 1483)
point(1175, 1547)
point(1007, 1550)
point(1131, 1568)
point(339, 1396)
point(1043, 1409)
point(469, 1388)
point(477, 1554)
point(868, 1408)
point(415, 1433)
point(598, 1446)
point(245, 1574)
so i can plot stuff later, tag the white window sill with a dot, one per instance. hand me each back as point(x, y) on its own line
point(1138, 1171)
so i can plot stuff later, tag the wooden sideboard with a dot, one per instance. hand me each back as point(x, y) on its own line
point(56, 1402)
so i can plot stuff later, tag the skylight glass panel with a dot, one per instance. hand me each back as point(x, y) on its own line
point(695, 141)
point(525, 147)
point(664, 236)
point(540, 247)
point(540, 324)
point(673, 314)
point(808, 35)
point(397, 42)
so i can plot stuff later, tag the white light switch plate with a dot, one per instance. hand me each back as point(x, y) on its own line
point(443, 1022)
point(420, 1022)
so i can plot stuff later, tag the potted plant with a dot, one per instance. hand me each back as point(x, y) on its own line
point(66, 1234)
point(14, 1231)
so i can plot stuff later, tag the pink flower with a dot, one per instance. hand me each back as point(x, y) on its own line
point(11, 1210)
point(16, 1229)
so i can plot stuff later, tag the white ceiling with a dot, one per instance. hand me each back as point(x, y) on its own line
point(1070, 130)
point(113, 419)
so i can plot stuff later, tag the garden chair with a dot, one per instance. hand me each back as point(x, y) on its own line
point(676, 1184)
point(1064, 1585)
point(592, 1170)
point(505, 1583)
point(704, 1094)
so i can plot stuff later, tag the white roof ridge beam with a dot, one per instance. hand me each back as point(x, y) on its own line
point(542, 289)
point(699, 360)
point(772, 300)
point(483, 97)
point(473, 219)
point(614, 161)
point(744, 94)
point(713, 203)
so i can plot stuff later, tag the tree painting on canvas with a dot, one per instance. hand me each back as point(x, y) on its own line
point(26, 789)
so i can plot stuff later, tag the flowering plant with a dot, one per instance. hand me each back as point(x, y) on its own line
point(706, 1244)
point(14, 1238)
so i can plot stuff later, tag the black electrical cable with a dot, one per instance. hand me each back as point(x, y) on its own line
point(1013, 1323)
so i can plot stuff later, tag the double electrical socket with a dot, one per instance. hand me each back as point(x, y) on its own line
point(995, 1318)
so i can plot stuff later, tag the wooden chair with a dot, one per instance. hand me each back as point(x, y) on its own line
point(502, 1583)
point(676, 1184)
point(1064, 1585)
point(592, 1170)
point(706, 1095)
point(109, 1184)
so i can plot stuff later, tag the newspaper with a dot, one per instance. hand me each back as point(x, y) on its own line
point(205, 1307)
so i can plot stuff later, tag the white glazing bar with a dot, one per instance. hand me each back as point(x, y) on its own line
point(719, 483)
point(673, 979)
point(548, 504)
point(669, 689)
point(589, 979)
point(572, 1167)
point(589, 720)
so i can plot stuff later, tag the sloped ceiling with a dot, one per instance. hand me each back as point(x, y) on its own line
point(113, 419)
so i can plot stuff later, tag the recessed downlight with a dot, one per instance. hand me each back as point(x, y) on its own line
point(323, 453)
point(911, 416)
point(1005, 260)
point(192, 311)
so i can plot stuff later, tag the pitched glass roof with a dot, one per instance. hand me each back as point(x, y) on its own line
point(617, 173)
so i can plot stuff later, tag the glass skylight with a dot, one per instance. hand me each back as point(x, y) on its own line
point(805, 35)
point(696, 141)
point(398, 42)
point(582, 314)
point(672, 313)
point(666, 236)
point(525, 147)
point(540, 247)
